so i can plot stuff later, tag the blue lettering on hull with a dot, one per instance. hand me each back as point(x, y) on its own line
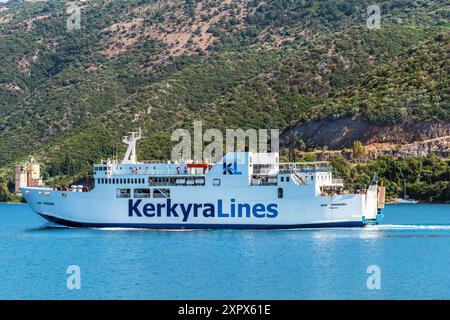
point(206, 210)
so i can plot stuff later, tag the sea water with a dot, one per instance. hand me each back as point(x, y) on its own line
point(406, 257)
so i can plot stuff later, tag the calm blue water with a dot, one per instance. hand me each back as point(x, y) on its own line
point(412, 249)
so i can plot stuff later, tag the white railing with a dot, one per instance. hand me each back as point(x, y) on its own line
point(337, 181)
point(297, 179)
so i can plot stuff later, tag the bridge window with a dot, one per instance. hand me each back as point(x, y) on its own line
point(142, 193)
point(123, 193)
point(161, 193)
point(287, 179)
point(216, 182)
point(282, 179)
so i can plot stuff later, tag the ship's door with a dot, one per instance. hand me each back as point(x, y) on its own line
point(280, 193)
point(331, 210)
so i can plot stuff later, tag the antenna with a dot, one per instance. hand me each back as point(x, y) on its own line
point(290, 141)
point(130, 140)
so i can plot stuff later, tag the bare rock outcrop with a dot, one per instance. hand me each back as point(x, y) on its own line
point(342, 132)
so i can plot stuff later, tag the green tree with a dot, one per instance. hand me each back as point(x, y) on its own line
point(358, 150)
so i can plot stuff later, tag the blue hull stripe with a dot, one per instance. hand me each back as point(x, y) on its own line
point(345, 224)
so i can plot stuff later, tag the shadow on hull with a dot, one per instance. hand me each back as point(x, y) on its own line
point(175, 226)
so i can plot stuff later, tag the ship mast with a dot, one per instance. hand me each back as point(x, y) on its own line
point(130, 155)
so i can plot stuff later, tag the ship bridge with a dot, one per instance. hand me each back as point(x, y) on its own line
point(234, 169)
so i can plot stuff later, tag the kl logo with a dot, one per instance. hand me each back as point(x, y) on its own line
point(230, 168)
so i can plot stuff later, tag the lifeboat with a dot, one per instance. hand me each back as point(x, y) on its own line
point(202, 165)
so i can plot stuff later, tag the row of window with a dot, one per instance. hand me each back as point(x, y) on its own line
point(158, 181)
point(120, 181)
point(171, 181)
point(176, 181)
point(143, 193)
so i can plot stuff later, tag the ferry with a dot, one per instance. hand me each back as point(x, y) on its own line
point(244, 190)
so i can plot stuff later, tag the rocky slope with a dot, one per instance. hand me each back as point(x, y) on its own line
point(403, 101)
point(341, 132)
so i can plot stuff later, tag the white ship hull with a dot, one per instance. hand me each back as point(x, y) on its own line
point(298, 209)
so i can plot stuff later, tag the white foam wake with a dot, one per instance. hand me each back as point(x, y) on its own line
point(412, 227)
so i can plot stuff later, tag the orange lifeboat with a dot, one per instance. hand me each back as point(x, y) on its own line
point(202, 165)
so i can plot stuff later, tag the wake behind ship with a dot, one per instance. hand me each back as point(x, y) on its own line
point(244, 190)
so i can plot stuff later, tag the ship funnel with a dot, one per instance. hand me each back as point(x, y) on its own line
point(130, 140)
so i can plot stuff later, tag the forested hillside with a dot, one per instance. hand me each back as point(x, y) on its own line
point(67, 96)
point(414, 85)
point(402, 101)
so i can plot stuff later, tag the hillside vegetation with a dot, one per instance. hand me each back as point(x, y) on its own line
point(67, 96)
point(414, 85)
